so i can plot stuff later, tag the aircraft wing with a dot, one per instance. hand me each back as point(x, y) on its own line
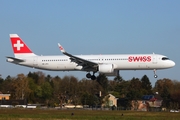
point(87, 65)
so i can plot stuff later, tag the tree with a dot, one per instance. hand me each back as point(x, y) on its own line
point(164, 88)
point(161, 83)
point(103, 81)
point(61, 97)
point(134, 89)
point(46, 90)
point(1, 83)
point(146, 85)
point(7, 86)
point(56, 84)
point(118, 79)
point(88, 99)
point(48, 78)
point(38, 77)
point(166, 97)
point(175, 93)
point(21, 86)
point(33, 87)
point(34, 76)
point(122, 89)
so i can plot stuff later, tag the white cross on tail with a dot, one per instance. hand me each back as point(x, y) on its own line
point(18, 45)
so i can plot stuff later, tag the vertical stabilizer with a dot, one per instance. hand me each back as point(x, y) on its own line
point(20, 49)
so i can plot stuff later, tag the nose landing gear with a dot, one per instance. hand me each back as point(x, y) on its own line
point(155, 76)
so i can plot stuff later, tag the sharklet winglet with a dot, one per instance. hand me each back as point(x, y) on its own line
point(61, 48)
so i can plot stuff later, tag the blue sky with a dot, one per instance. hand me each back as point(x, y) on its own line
point(92, 27)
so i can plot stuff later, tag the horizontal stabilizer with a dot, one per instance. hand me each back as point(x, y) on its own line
point(12, 59)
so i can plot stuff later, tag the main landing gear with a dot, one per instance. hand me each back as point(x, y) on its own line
point(155, 76)
point(93, 77)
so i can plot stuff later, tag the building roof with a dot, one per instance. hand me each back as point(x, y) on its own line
point(152, 97)
point(147, 97)
point(3, 95)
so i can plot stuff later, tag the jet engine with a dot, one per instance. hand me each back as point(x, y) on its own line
point(106, 68)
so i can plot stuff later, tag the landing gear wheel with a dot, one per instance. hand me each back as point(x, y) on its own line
point(155, 76)
point(88, 75)
point(93, 77)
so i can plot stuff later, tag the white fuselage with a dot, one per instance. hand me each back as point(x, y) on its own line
point(104, 64)
point(120, 62)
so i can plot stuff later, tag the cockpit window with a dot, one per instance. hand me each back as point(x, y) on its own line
point(165, 58)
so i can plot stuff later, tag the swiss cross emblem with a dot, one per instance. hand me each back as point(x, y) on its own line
point(61, 48)
point(18, 45)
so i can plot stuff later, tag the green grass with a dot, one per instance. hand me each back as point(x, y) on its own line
point(38, 114)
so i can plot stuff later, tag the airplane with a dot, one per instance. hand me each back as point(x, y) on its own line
point(110, 65)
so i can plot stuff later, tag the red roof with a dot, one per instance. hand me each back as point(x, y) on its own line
point(153, 99)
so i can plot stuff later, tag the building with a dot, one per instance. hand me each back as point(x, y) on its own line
point(4, 96)
point(6, 102)
point(109, 101)
point(153, 100)
point(148, 103)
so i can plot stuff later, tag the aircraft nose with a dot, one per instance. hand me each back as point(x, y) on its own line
point(173, 63)
point(170, 64)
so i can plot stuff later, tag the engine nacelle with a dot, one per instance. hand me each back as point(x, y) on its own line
point(106, 68)
point(115, 73)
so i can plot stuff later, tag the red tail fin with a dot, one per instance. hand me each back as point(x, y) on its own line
point(19, 47)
